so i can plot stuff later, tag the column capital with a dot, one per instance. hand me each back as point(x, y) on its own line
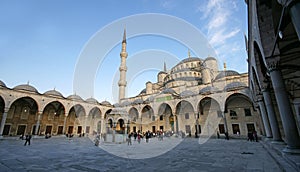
point(259, 97)
point(273, 64)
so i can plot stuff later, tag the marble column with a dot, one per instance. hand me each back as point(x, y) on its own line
point(38, 123)
point(225, 122)
point(264, 117)
point(271, 114)
point(65, 123)
point(3, 121)
point(292, 138)
point(175, 124)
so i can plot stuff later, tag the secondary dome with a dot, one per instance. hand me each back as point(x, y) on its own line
point(106, 103)
point(53, 93)
point(2, 84)
point(75, 97)
point(234, 85)
point(26, 87)
point(91, 100)
point(226, 73)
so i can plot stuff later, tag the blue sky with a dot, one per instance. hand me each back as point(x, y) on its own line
point(41, 41)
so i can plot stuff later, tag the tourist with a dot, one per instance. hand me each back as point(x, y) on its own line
point(218, 134)
point(27, 139)
point(129, 139)
point(139, 137)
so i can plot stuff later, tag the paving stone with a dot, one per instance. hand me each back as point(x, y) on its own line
point(80, 154)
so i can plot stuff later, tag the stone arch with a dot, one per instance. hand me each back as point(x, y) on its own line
point(21, 116)
point(133, 114)
point(75, 119)
point(260, 64)
point(120, 126)
point(185, 116)
point(134, 119)
point(52, 119)
point(164, 113)
point(2, 106)
point(209, 115)
point(240, 110)
point(94, 121)
point(148, 119)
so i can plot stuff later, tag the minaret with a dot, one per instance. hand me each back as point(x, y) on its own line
point(122, 82)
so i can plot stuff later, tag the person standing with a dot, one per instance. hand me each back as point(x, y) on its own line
point(27, 139)
point(129, 139)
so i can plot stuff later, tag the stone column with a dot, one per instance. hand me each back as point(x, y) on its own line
point(264, 116)
point(178, 121)
point(102, 125)
point(65, 122)
point(3, 121)
point(175, 124)
point(38, 123)
point(225, 122)
point(271, 114)
point(292, 138)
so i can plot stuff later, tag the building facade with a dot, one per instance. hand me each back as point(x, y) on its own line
point(193, 97)
point(273, 51)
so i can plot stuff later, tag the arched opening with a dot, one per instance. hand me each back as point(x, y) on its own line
point(52, 121)
point(209, 112)
point(2, 106)
point(185, 114)
point(133, 117)
point(146, 119)
point(75, 120)
point(242, 118)
point(21, 117)
point(94, 121)
point(120, 126)
point(163, 123)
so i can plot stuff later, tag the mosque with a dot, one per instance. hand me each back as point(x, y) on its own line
point(193, 97)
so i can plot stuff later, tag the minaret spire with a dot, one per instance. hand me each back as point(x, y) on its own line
point(123, 68)
point(165, 67)
point(124, 36)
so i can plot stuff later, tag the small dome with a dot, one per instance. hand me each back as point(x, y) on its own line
point(92, 100)
point(226, 73)
point(75, 97)
point(106, 103)
point(190, 59)
point(168, 91)
point(118, 111)
point(53, 93)
point(138, 101)
point(125, 103)
point(117, 105)
point(207, 90)
point(149, 99)
point(2, 84)
point(26, 87)
point(186, 93)
point(234, 85)
point(143, 91)
point(210, 58)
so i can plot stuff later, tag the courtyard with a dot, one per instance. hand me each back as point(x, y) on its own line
point(80, 154)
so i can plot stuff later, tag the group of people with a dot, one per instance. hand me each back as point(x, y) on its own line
point(252, 136)
point(27, 139)
point(147, 135)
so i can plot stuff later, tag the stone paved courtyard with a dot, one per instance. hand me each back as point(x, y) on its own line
point(80, 154)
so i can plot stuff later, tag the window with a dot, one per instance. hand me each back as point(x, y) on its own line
point(187, 128)
point(186, 116)
point(153, 118)
point(233, 113)
point(219, 113)
point(250, 128)
point(221, 128)
point(235, 128)
point(161, 117)
point(247, 112)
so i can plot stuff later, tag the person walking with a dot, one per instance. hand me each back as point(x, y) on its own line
point(27, 139)
point(129, 139)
